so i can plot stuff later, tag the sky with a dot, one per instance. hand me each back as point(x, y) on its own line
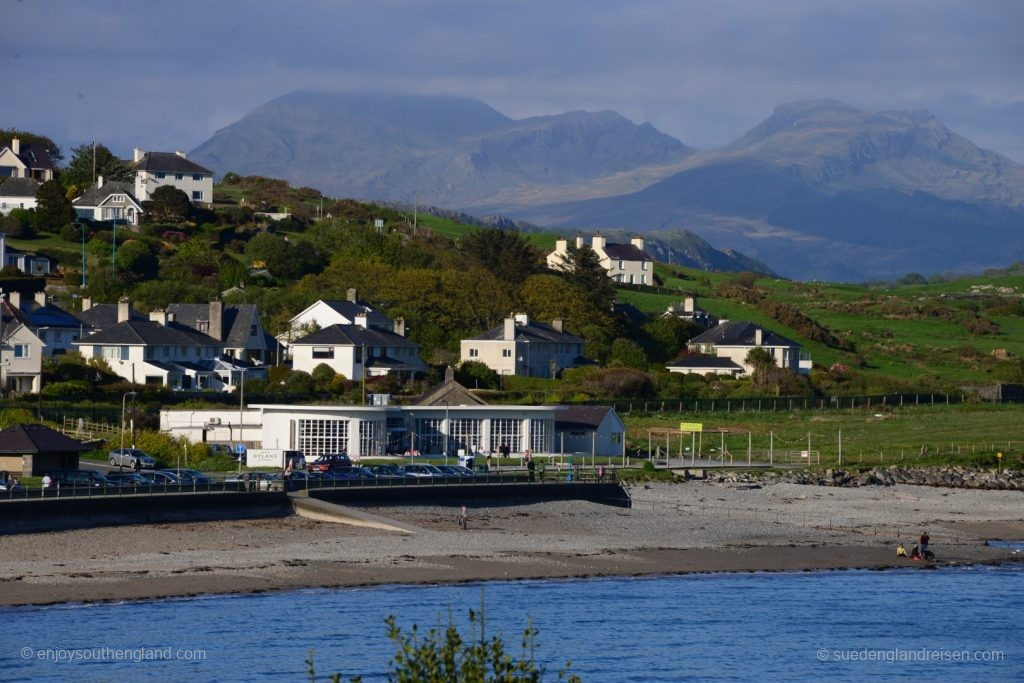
point(165, 75)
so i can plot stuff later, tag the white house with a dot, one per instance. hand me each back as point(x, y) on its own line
point(735, 339)
point(326, 312)
point(358, 351)
point(155, 169)
point(30, 264)
point(701, 364)
point(625, 263)
point(26, 160)
point(521, 347)
point(161, 351)
point(17, 193)
point(688, 310)
point(57, 329)
point(21, 358)
point(109, 202)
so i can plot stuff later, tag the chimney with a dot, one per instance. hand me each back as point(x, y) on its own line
point(758, 336)
point(579, 240)
point(449, 375)
point(638, 242)
point(352, 294)
point(16, 145)
point(41, 298)
point(509, 332)
point(399, 327)
point(124, 307)
point(180, 153)
point(137, 154)
point(99, 181)
point(688, 305)
point(522, 318)
point(216, 328)
point(556, 325)
point(14, 298)
point(158, 316)
point(86, 303)
point(561, 246)
point(360, 319)
point(598, 242)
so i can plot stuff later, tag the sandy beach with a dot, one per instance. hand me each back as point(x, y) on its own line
point(671, 528)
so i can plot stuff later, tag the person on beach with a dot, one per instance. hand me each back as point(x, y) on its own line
point(463, 518)
point(924, 543)
point(901, 550)
point(915, 553)
point(47, 481)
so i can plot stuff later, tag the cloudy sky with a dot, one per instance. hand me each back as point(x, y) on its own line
point(166, 74)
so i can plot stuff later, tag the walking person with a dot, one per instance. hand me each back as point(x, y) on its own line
point(924, 543)
point(463, 518)
point(47, 481)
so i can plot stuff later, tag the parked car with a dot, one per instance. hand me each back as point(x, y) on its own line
point(455, 470)
point(128, 457)
point(128, 479)
point(422, 471)
point(350, 473)
point(327, 462)
point(165, 478)
point(298, 478)
point(191, 477)
point(262, 481)
point(79, 478)
point(384, 471)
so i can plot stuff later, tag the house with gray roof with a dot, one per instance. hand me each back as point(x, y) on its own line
point(734, 339)
point(56, 329)
point(238, 326)
point(326, 312)
point(17, 193)
point(30, 264)
point(21, 355)
point(155, 169)
point(109, 201)
point(520, 346)
point(32, 450)
point(624, 263)
point(98, 317)
point(590, 430)
point(701, 364)
point(358, 351)
point(26, 160)
point(164, 352)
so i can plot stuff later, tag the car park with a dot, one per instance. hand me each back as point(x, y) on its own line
point(327, 462)
point(455, 470)
point(130, 457)
point(165, 478)
point(128, 479)
point(385, 471)
point(262, 481)
point(190, 477)
point(422, 471)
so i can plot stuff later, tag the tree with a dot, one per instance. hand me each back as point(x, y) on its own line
point(505, 253)
point(169, 204)
point(627, 353)
point(6, 134)
point(79, 172)
point(475, 375)
point(53, 208)
point(582, 267)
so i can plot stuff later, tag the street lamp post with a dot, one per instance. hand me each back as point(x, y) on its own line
point(83, 255)
point(120, 457)
point(447, 430)
point(241, 405)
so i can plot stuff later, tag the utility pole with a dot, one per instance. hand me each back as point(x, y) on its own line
point(415, 210)
point(93, 162)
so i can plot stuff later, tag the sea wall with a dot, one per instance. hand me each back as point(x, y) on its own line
point(947, 476)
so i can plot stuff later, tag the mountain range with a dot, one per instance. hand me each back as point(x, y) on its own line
point(819, 190)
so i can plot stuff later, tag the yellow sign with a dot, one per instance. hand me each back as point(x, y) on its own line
point(691, 426)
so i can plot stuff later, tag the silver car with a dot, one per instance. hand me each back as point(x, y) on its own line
point(128, 457)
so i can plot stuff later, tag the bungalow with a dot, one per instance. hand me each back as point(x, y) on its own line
point(17, 193)
point(109, 202)
point(521, 347)
point(163, 352)
point(155, 169)
point(735, 339)
point(701, 364)
point(624, 263)
point(32, 450)
point(26, 160)
point(238, 326)
point(358, 351)
point(593, 430)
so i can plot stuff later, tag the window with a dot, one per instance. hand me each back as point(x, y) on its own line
point(643, 279)
point(323, 352)
point(179, 176)
point(154, 379)
point(506, 353)
point(618, 277)
point(203, 326)
point(318, 437)
point(196, 176)
point(644, 264)
point(465, 433)
point(370, 436)
point(114, 352)
point(197, 196)
point(539, 436)
point(21, 350)
point(632, 279)
point(622, 265)
point(505, 431)
point(615, 437)
point(118, 198)
point(474, 353)
point(429, 437)
point(161, 175)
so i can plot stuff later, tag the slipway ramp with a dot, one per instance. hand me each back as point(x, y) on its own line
point(324, 511)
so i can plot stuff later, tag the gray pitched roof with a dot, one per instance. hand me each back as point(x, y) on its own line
point(626, 252)
point(149, 333)
point(50, 315)
point(235, 326)
point(449, 393)
point(94, 196)
point(104, 316)
point(18, 187)
point(168, 162)
point(35, 156)
point(581, 417)
point(354, 335)
point(740, 333)
point(37, 438)
point(531, 332)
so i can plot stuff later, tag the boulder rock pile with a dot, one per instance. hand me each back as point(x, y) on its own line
point(944, 476)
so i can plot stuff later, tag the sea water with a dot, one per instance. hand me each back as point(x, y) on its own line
point(943, 624)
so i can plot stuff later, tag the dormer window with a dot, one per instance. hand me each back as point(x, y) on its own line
point(118, 198)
